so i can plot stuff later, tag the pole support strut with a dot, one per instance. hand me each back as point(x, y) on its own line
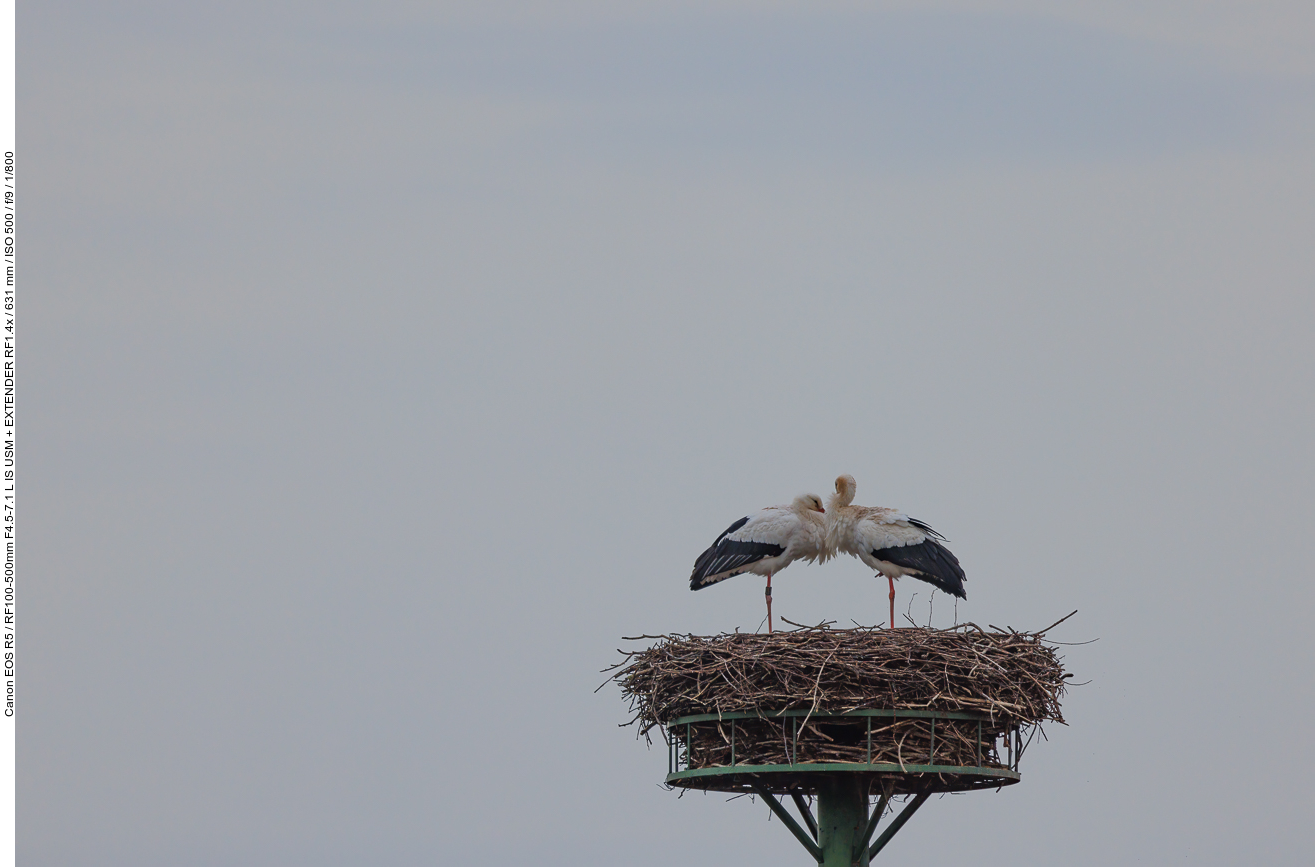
point(894, 826)
point(806, 813)
point(861, 845)
point(789, 822)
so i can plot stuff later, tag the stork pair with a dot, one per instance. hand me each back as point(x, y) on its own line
point(887, 540)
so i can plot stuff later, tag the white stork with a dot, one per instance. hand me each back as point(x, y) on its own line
point(764, 544)
point(891, 542)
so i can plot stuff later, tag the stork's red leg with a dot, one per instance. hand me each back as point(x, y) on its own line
point(892, 601)
point(769, 601)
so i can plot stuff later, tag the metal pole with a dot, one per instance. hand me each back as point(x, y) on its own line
point(842, 818)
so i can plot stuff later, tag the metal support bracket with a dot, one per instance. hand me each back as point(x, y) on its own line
point(894, 826)
point(790, 823)
point(806, 813)
point(861, 844)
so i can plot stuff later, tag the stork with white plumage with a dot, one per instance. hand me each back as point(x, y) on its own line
point(765, 543)
point(890, 542)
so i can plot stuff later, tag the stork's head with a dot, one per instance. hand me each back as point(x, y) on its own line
point(846, 487)
point(808, 503)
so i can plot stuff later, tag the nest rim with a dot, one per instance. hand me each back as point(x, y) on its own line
point(807, 778)
point(927, 689)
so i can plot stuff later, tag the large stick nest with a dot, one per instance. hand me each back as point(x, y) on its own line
point(1013, 678)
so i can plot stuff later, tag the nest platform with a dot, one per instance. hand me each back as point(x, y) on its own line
point(891, 711)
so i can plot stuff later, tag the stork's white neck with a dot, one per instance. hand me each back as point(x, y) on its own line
point(844, 495)
point(840, 515)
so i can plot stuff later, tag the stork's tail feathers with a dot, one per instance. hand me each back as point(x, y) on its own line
point(951, 584)
point(698, 582)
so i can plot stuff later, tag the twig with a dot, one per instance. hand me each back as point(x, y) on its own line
point(1057, 622)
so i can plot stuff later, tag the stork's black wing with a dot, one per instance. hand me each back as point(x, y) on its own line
point(929, 561)
point(727, 557)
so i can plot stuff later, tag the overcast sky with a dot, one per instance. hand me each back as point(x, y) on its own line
point(383, 365)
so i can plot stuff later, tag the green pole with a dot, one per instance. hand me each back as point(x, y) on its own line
point(842, 819)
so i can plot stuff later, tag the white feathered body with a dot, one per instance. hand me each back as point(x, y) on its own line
point(763, 543)
point(890, 542)
point(861, 530)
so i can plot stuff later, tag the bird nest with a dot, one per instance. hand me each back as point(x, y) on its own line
point(818, 695)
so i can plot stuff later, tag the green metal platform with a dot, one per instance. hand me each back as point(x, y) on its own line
point(841, 834)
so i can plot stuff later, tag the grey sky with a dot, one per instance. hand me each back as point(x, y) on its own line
point(383, 366)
